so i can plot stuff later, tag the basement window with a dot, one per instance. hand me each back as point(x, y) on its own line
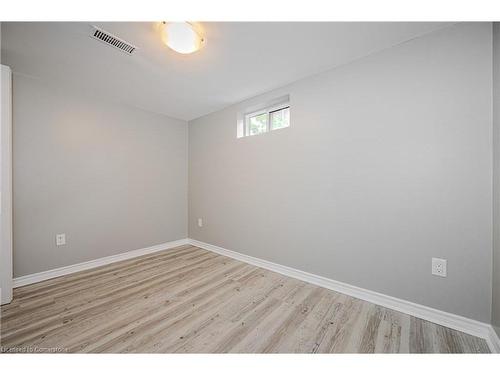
point(269, 118)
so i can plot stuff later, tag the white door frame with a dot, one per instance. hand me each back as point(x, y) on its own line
point(5, 184)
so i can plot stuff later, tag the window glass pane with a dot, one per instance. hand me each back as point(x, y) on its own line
point(257, 124)
point(280, 118)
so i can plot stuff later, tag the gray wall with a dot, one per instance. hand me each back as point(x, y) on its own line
point(387, 163)
point(495, 311)
point(113, 178)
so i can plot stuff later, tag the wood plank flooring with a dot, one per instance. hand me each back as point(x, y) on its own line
point(191, 300)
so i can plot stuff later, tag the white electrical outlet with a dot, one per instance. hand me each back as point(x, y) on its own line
point(200, 222)
point(60, 239)
point(439, 267)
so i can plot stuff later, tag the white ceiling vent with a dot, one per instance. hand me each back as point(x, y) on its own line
point(112, 40)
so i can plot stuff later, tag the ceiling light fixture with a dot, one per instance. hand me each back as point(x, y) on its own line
point(182, 37)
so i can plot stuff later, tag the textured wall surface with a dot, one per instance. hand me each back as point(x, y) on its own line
point(387, 163)
point(112, 178)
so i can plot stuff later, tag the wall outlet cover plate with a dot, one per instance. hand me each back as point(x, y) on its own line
point(439, 267)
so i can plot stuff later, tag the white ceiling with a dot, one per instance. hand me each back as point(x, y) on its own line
point(239, 60)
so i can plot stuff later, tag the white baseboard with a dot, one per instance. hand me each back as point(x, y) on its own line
point(460, 323)
point(494, 341)
point(50, 274)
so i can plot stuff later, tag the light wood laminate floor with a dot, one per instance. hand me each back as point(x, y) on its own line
point(191, 300)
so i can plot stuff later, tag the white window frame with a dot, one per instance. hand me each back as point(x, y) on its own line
point(267, 111)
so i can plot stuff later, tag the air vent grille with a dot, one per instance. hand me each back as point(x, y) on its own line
point(113, 41)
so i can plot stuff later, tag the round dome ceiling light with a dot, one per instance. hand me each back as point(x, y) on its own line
point(182, 37)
